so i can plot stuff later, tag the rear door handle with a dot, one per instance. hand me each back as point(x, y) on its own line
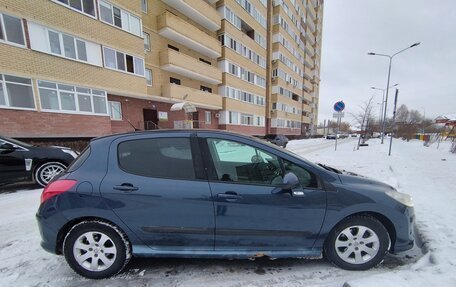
point(229, 195)
point(126, 187)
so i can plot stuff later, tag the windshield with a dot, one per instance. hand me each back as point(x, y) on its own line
point(16, 142)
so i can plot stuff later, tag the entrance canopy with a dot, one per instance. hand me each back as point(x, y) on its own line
point(187, 107)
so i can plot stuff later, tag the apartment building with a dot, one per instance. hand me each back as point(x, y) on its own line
point(295, 59)
point(85, 68)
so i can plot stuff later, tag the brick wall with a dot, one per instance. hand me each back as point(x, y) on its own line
point(31, 124)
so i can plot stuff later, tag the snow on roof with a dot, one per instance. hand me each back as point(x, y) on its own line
point(446, 118)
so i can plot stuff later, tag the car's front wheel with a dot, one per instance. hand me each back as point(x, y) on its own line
point(47, 171)
point(357, 243)
point(96, 249)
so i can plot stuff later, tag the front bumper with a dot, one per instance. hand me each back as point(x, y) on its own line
point(405, 231)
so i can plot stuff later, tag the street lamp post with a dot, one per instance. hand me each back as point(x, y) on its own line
point(388, 81)
point(424, 119)
point(383, 103)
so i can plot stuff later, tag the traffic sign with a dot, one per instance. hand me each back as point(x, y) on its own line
point(338, 115)
point(339, 106)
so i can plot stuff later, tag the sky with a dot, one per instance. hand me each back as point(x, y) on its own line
point(426, 74)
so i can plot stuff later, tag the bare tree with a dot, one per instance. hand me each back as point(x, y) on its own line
point(363, 118)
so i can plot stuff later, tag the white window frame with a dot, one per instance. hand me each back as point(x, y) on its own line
point(125, 61)
point(5, 92)
point(146, 5)
point(207, 117)
point(149, 71)
point(128, 13)
point(146, 37)
point(82, 5)
point(110, 110)
point(5, 41)
point(77, 112)
point(62, 48)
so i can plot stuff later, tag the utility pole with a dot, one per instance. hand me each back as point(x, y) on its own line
point(394, 121)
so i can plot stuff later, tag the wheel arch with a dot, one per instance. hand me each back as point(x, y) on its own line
point(385, 221)
point(70, 224)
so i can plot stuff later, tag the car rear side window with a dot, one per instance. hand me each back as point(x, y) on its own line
point(159, 157)
point(79, 160)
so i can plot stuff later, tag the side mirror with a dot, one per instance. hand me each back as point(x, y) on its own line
point(290, 181)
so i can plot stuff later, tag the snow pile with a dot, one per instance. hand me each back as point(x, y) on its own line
point(428, 175)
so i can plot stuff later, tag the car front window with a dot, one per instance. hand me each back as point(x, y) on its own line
point(238, 162)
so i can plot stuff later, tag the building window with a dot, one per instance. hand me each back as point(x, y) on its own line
point(115, 110)
point(205, 61)
point(56, 43)
point(144, 5)
point(206, 89)
point(83, 6)
point(146, 41)
point(11, 30)
point(174, 81)
point(173, 48)
point(246, 119)
point(16, 92)
point(207, 117)
point(233, 118)
point(149, 77)
point(123, 62)
point(72, 99)
point(120, 18)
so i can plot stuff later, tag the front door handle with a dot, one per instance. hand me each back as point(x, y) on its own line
point(126, 187)
point(229, 195)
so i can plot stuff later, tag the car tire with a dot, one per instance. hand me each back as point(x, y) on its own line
point(47, 171)
point(357, 243)
point(96, 249)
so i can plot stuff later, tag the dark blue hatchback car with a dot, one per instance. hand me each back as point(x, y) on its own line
point(214, 194)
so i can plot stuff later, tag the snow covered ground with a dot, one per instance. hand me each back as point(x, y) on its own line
point(426, 173)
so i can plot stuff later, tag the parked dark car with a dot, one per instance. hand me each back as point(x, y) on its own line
point(20, 161)
point(214, 194)
point(331, 137)
point(279, 140)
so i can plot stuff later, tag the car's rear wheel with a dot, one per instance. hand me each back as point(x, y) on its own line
point(47, 171)
point(96, 249)
point(357, 243)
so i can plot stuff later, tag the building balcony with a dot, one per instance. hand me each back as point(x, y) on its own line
point(307, 97)
point(307, 85)
point(199, 11)
point(308, 73)
point(307, 108)
point(174, 28)
point(198, 98)
point(305, 120)
point(179, 63)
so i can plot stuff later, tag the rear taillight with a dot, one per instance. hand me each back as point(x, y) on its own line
point(57, 187)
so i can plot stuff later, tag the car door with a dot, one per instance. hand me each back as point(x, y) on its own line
point(250, 212)
point(156, 184)
point(12, 164)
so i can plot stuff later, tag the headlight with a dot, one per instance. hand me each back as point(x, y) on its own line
point(403, 198)
point(70, 152)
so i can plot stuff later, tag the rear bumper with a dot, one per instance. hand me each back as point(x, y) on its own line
point(405, 232)
point(48, 235)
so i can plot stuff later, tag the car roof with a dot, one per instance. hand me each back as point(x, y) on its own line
point(184, 131)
